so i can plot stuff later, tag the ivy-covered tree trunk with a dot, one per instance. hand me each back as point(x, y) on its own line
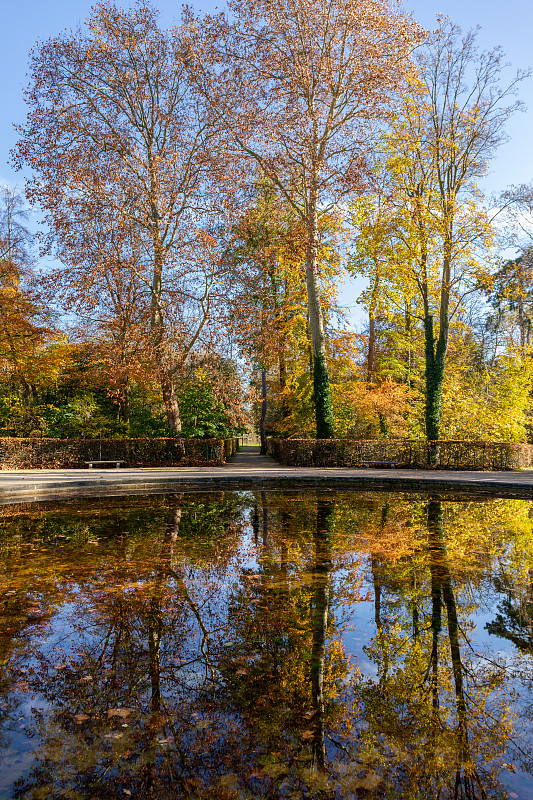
point(434, 520)
point(322, 391)
point(319, 619)
point(436, 349)
point(435, 362)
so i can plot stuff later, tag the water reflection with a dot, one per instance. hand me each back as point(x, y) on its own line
point(274, 645)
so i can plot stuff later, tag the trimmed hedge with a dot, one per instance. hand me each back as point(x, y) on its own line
point(73, 453)
point(404, 453)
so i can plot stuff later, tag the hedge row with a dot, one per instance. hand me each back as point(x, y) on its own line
point(401, 453)
point(71, 453)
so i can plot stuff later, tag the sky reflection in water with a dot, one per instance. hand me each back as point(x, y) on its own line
point(277, 645)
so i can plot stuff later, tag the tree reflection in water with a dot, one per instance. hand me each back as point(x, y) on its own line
point(197, 646)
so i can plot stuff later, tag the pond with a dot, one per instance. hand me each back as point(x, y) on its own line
point(277, 644)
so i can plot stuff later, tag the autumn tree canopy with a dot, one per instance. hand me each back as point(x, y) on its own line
point(148, 150)
point(429, 241)
point(122, 164)
point(299, 89)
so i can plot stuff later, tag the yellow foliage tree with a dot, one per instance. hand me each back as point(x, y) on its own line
point(427, 238)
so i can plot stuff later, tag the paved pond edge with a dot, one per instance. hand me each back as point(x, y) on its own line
point(515, 485)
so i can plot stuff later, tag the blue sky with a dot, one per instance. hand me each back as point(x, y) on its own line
point(508, 24)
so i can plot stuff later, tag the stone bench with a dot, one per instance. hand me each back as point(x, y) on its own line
point(91, 463)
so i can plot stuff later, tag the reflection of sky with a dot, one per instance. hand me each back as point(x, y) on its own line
point(364, 629)
point(483, 645)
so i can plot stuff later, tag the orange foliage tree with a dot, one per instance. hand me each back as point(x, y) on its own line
point(24, 327)
point(123, 168)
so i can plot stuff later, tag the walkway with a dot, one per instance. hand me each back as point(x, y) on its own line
point(249, 470)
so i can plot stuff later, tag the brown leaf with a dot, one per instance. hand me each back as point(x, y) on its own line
point(119, 712)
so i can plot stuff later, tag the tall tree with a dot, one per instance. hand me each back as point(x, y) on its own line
point(451, 121)
point(268, 312)
point(299, 87)
point(118, 146)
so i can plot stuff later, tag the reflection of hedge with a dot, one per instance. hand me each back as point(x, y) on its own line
point(401, 453)
point(69, 453)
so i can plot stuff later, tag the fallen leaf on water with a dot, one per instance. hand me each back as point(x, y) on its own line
point(119, 712)
point(308, 734)
point(112, 736)
point(169, 740)
point(79, 718)
point(371, 781)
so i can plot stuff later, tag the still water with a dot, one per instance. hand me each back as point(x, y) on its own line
point(232, 645)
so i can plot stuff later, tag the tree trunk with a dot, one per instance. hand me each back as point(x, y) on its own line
point(408, 331)
point(371, 349)
point(123, 407)
point(376, 580)
point(320, 614)
point(436, 355)
point(264, 514)
point(173, 529)
point(435, 363)
point(262, 423)
point(157, 324)
point(255, 524)
point(466, 773)
point(322, 390)
point(281, 325)
point(435, 568)
point(171, 405)
point(284, 407)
